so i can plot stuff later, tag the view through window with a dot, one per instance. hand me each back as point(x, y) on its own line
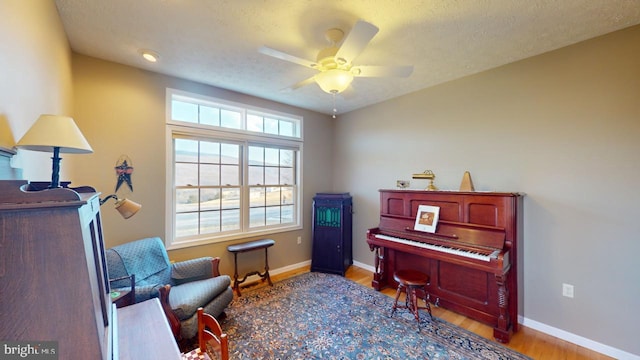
point(234, 170)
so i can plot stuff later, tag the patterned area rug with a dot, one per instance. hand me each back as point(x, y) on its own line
point(323, 316)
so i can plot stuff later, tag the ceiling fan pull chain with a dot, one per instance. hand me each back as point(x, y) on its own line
point(335, 110)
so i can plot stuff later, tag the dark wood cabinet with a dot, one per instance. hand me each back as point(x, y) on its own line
point(332, 232)
point(54, 284)
point(53, 277)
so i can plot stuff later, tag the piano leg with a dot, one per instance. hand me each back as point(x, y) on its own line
point(502, 332)
point(378, 275)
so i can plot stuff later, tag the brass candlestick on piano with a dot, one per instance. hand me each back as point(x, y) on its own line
point(429, 175)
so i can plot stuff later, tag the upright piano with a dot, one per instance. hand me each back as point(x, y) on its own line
point(471, 258)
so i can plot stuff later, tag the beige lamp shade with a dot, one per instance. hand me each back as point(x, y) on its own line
point(127, 208)
point(55, 131)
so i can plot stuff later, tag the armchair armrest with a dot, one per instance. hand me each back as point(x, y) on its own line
point(215, 265)
point(195, 269)
point(174, 322)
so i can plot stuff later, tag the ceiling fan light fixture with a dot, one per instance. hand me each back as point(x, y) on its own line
point(334, 81)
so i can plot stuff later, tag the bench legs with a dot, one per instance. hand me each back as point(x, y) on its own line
point(263, 276)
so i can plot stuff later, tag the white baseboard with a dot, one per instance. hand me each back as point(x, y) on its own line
point(255, 278)
point(290, 267)
point(578, 340)
point(364, 266)
point(532, 324)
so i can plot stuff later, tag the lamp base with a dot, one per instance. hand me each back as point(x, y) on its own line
point(43, 185)
point(55, 169)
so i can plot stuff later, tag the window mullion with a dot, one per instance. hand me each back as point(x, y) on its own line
point(244, 185)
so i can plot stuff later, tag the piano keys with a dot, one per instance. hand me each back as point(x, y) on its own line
point(471, 258)
point(445, 249)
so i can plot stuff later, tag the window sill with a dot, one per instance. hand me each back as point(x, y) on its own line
point(221, 239)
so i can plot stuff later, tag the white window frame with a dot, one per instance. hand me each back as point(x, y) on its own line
point(243, 137)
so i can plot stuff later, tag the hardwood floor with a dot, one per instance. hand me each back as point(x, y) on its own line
point(527, 341)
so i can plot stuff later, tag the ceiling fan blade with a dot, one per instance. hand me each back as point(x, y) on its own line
point(299, 85)
point(356, 41)
point(382, 71)
point(286, 57)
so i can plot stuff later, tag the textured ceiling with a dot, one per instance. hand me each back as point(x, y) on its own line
point(216, 42)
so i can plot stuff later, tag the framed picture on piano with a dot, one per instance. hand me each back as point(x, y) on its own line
point(427, 218)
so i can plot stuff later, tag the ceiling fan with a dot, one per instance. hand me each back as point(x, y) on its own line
point(335, 63)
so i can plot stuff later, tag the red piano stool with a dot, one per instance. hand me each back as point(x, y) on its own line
point(410, 281)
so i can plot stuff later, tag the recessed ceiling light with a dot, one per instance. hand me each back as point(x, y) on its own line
point(149, 55)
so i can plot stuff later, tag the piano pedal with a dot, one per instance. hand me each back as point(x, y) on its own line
point(437, 303)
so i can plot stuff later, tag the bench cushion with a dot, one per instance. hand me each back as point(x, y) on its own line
point(252, 245)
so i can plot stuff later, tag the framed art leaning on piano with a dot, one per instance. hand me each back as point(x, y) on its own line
point(427, 218)
point(471, 256)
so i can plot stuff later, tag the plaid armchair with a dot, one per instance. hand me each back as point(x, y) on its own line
point(193, 283)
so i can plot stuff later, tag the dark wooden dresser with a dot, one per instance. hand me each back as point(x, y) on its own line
point(332, 233)
point(54, 283)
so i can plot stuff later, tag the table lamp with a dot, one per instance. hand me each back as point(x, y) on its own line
point(55, 133)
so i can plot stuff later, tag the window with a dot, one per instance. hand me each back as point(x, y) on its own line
point(227, 116)
point(233, 170)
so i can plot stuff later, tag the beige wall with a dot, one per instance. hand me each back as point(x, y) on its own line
point(122, 111)
point(35, 78)
point(564, 128)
